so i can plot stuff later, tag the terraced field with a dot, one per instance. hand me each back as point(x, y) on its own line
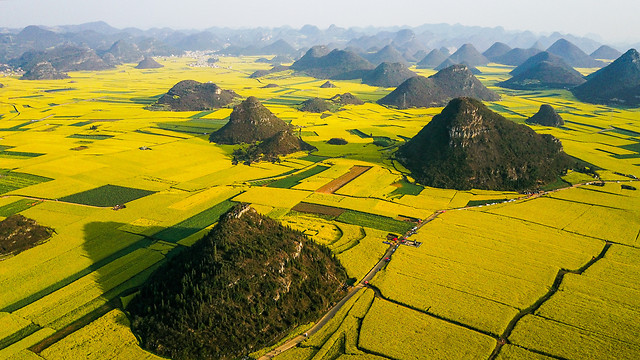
point(499, 275)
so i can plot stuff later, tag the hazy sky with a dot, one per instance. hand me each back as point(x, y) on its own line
point(614, 20)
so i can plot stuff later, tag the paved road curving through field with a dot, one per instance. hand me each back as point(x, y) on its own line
point(379, 266)
point(334, 310)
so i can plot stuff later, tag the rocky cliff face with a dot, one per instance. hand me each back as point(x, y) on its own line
point(465, 134)
point(44, 71)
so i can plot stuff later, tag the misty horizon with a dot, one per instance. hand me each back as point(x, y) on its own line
point(583, 19)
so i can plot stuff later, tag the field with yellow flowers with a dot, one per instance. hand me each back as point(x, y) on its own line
point(498, 275)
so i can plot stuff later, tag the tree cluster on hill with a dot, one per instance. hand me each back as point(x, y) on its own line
point(191, 95)
point(244, 286)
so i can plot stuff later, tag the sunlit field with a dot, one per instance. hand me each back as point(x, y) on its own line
point(73, 151)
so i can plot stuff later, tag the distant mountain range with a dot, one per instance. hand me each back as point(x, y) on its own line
point(438, 89)
point(380, 44)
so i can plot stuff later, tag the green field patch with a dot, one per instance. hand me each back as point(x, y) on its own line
point(308, 133)
point(19, 154)
point(374, 221)
point(501, 108)
point(18, 206)
point(195, 223)
point(81, 123)
point(486, 201)
point(558, 184)
point(10, 180)
point(90, 136)
point(407, 188)
point(18, 127)
point(583, 124)
point(59, 90)
point(359, 133)
point(583, 115)
point(294, 180)
point(635, 147)
point(152, 133)
point(201, 114)
point(107, 195)
point(622, 131)
point(196, 126)
point(314, 158)
point(383, 141)
point(27, 96)
point(626, 156)
point(145, 100)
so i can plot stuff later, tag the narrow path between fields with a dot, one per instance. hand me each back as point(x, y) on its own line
point(504, 338)
point(501, 340)
point(328, 316)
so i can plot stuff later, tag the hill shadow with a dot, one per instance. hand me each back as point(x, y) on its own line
point(122, 258)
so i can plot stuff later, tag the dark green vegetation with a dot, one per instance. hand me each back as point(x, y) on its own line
point(617, 84)
point(468, 55)
point(375, 221)
point(195, 223)
point(18, 233)
point(469, 146)
point(337, 141)
point(149, 63)
point(17, 206)
point(546, 116)
point(337, 64)
point(11, 180)
point(388, 75)
point(433, 59)
point(107, 195)
point(244, 286)
point(191, 95)
point(283, 143)
point(293, 180)
point(90, 136)
point(543, 71)
point(346, 99)
point(249, 122)
point(438, 89)
point(573, 55)
point(407, 188)
point(485, 202)
point(44, 71)
point(318, 105)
